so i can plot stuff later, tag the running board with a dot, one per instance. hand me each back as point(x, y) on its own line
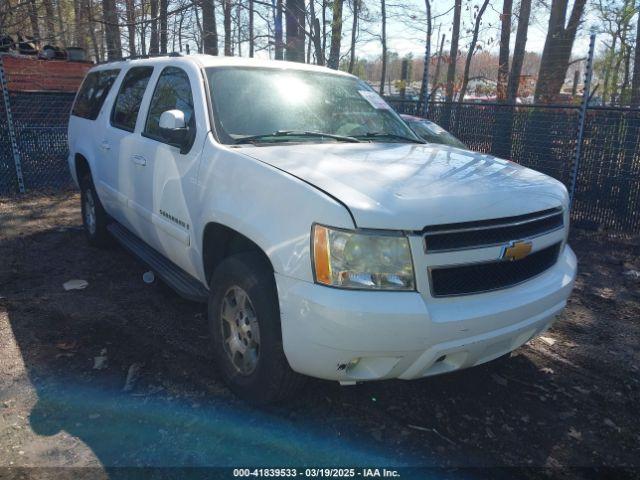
point(183, 283)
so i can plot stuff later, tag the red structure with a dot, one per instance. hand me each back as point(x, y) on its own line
point(28, 74)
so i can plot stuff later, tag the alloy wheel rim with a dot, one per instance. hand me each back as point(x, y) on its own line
point(240, 330)
point(90, 212)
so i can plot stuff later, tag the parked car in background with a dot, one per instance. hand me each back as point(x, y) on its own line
point(326, 238)
point(431, 132)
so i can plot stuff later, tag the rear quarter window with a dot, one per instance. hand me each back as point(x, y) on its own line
point(93, 93)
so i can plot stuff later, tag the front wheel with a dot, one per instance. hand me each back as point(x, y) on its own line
point(244, 321)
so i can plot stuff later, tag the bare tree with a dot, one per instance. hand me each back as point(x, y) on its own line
point(427, 60)
point(295, 21)
point(49, 21)
point(471, 51)
point(226, 22)
point(131, 26)
point(112, 29)
point(209, 28)
point(453, 52)
point(164, 34)
point(316, 33)
point(33, 18)
point(635, 82)
point(354, 34)
point(503, 55)
point(383, 40)
point(154, 41)
point(519, 49)
point(277, 17)
point(336, 35)
point(251, 32)
point(557, 48)
point(436, 74)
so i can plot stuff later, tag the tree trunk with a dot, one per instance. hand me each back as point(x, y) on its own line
point(49, 21)
point(324, 31)
point(635, 82)
point(503, 55)
point(163, 25)
point(226, 21)
point(472, 48)
point(209, 28)
point(131, 27)
point(316, 34)
point(519, 49)
point(78, 30)
point(453, 53)
point(33, 18)
point(154, 41)
point(61, 26)
point(92, 30)
point(557, 49)
point(251, 34)
point(143, 29)
point(383, 39)
point(436, 74)
point(354, 34)
point(277, 16)
point(112, 30)
point(336, 35)
point(424, 86)
point(295, 20)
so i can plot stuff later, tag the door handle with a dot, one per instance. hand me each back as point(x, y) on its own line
point(105, 145)
point(139, 160)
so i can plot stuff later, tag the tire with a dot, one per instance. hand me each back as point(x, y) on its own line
point(94, 218)
point(251, 360)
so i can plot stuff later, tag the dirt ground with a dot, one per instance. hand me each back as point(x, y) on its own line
point(569, 399)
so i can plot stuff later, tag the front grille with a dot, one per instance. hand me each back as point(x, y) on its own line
point(491, 232)
point(486, 276)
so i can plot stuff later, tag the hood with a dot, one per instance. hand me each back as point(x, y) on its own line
point(410, 186)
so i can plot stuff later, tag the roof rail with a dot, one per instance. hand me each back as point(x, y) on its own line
point(141, 57)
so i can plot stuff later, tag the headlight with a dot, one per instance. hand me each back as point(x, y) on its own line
point(346, 259)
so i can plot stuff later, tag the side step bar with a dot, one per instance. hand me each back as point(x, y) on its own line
point(183, 283)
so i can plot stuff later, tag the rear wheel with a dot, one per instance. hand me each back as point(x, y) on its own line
point(244, 319)
point(94, 218)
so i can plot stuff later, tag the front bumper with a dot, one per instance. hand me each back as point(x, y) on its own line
point(360, 335)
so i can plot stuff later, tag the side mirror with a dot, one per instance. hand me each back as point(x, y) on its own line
point(172, 120)
point(174, 129)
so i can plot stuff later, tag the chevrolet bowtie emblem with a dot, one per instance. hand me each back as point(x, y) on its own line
point(516, 251)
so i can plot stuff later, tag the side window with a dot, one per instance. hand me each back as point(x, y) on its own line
point(173, 92)
point(93, 92)
point(127, 104)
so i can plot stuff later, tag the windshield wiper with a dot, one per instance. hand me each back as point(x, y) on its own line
point(297, 133)
point(390, 135)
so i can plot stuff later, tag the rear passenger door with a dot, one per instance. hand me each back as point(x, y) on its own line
point(88, 119)
point(120, 138)
point(164, 188)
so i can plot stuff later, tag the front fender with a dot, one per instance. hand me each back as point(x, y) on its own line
point(270, 207)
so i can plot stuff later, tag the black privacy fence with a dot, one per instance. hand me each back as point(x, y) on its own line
point(607, 186)
point(545, 137)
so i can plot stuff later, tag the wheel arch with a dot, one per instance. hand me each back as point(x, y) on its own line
point(220, 242)
point(81, 166)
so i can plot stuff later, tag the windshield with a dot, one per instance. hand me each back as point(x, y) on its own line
point(434, 133)
point(264, 103)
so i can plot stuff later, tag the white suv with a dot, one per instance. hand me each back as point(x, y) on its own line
point(327, 239)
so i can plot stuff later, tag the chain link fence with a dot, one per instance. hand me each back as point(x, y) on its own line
point(607, 180)
point(545, 138)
